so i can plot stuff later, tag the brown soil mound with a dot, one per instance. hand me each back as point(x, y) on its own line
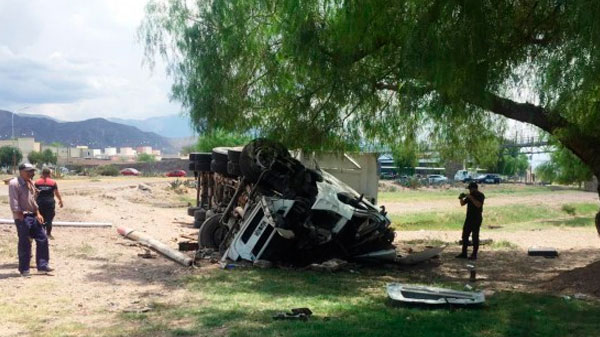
point(579, 280)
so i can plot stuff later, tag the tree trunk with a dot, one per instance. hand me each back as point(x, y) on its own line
point(598, 214)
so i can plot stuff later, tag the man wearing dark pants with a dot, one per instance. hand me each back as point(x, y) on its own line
point(474, 201)
point(21, 194)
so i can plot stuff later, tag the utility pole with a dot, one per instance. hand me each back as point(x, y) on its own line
point(14, 167)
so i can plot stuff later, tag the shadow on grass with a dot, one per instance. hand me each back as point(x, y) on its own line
point(143, 271)
point(241, 303)
point(573, 222)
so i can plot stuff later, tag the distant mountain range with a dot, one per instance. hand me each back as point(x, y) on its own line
point(172, 126)
point(95, 133)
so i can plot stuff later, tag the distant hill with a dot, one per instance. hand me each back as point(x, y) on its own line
point(39, 116)
point(172, 126)
point(95, 133)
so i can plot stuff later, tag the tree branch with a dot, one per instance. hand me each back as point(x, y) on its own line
point(584, 146)
point(523, 112)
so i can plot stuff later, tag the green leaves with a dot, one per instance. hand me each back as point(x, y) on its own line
point(9, 156)
point(331, 74)
point(564, 168)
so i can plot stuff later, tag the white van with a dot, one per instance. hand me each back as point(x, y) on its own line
point(463, 175)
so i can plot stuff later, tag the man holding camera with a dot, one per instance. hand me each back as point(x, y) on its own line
point(474, 201)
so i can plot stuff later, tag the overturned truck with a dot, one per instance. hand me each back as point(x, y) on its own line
point(260, 203)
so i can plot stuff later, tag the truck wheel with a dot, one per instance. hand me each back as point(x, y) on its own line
point(233, 155)
point(212, 232)
point(200, 156)
point(192, 210)
point(258, 155)
point(218, 166)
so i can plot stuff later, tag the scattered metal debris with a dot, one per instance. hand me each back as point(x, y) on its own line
point(543, 251)
point(296, 314)
point(416, 294)
point(332, 265)
point(425, 255)
point(144, 187)
point(472, 272)
point(147, 255)
point(580, 296)
point(262, 264)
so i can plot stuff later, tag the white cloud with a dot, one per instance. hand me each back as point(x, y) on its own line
point(78, 59)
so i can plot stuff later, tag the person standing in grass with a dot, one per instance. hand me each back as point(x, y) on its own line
point(47, 190)
point(21, 196)
point(474, 201)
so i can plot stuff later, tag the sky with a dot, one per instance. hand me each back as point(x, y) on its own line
point(74, 60)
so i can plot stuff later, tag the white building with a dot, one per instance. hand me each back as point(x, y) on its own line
point(110, 151)
point(91, 153)
point(127, 152)
point(144, 149)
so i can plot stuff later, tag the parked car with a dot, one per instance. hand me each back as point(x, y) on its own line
point(387, 175)
point(489, 179)
point(129, 172)
point(176, 173)
point(436, 179)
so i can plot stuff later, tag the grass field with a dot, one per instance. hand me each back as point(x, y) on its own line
point(242, 302)
point(406, 195)
point(510, 217)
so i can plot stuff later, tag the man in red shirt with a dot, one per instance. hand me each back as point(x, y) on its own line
point(47, 190)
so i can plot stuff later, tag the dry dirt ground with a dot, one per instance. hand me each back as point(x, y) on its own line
point(100, 275)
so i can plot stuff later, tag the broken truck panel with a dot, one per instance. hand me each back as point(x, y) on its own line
point(421, 256)
point(274, 208)
point(416, 294)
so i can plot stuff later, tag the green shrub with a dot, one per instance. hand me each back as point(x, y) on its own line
point(569, 209)
point(108, 170)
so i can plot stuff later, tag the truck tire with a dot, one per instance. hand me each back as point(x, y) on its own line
point(212, 232)
point(218, 166)
point(233, 155)
point(192, 210)
point(200, 215)
point(200, 156)
point(200, 166)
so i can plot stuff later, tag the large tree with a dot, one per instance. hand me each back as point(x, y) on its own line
point(9, 156)
point(328, 72)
